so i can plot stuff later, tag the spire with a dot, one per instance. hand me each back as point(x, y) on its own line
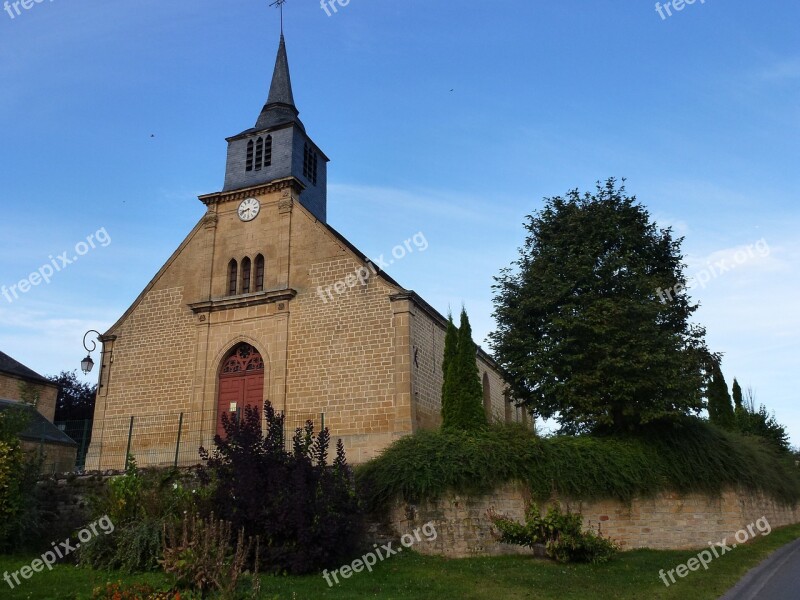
point(280, 107)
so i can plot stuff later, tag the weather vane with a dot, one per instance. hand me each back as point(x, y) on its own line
point(279, 4)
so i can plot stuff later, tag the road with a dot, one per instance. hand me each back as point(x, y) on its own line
point(777, 578)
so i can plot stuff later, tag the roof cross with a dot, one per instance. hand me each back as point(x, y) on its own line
point(279, 4)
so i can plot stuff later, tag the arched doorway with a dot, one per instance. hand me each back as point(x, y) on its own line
point(241, 383)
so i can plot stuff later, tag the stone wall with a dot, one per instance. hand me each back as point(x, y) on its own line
point(56, 458)
point(345, 348)
point(11, 388)
point(66, 502)
point(331, 345)
point(428, 332)
point(668, 521)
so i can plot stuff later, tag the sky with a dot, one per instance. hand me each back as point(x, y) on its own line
point(450, 120)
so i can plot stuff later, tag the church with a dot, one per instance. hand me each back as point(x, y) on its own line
point(236, 317)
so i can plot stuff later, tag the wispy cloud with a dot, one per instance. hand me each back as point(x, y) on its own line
point(48, 338)
point(440, 203)
point(781, 71)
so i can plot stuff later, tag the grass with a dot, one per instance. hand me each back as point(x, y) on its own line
point(688, 455)
point(634, 575)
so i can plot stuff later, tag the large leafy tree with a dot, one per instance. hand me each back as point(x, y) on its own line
point(720, 408)
point(593, 318)
point(75, 399)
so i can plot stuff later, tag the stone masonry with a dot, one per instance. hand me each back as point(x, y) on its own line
point(668, 521)
point(367, 356)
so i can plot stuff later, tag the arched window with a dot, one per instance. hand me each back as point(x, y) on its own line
point(250, 155)
point(259, 153)
point(268, 151)
point(259, 273)
point(233, 275)
point(246, 276)
point(487, 398)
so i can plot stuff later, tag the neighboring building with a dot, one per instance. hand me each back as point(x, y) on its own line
point(266, 301)
point(20, 385)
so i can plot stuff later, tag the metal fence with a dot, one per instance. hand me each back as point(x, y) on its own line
point(81, 433)
point(162, 439)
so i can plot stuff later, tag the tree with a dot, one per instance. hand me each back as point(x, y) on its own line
point(75, 400)
point(760, 423)
point(737, 396)
point(720, 409)
point(593, 318)
point(17, 478)
point(470, 412)
point(449, 382)
point(462, 392)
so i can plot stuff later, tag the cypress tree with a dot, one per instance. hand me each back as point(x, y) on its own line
point(449, 378)
point(737, 396)
point(720, 408)
point(469, 413)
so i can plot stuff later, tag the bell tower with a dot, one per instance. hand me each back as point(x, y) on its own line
point(278, 147)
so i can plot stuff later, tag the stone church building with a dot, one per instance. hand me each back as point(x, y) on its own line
point(244, 311)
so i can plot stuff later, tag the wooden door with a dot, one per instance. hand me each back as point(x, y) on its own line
point(241, 383)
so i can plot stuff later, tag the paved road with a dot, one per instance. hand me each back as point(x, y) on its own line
point(777, 578)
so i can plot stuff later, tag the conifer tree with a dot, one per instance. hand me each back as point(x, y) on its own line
point(449, 380)
point(468, 413)
point(720, 408)
point(737, 397)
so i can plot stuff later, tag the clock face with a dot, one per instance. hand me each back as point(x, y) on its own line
point(248, 209)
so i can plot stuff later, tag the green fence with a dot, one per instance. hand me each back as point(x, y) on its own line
point(163, 439)
point(81, 433)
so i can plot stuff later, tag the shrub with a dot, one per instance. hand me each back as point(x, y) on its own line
point(202, 559)
point(304, 511)
point(140, 504)
point(562, 535)
point(687, 455)
point(11, 464)
point(21, 518)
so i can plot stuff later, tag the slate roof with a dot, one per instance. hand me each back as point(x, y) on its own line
point(280, 108)
point(12, 367)
point(39, 429)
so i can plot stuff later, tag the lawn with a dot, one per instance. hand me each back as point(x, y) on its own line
point(634, 575)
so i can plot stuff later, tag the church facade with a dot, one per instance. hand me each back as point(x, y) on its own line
point(264, 300)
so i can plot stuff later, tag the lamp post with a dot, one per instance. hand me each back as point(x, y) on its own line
point(87, 363)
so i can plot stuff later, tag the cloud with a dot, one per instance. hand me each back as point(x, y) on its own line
point(439, 203)
point(49, 338)
point(785, 70)
point(679, 227)
point(757, 255)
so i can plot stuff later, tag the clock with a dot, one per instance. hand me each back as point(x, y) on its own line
point(248, 209)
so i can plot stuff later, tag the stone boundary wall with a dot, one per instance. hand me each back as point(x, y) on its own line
point(668, 521)
point(68, 501)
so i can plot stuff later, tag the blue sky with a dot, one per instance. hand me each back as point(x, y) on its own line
point(451, 119)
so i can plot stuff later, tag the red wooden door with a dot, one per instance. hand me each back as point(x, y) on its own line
point(241, 383)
